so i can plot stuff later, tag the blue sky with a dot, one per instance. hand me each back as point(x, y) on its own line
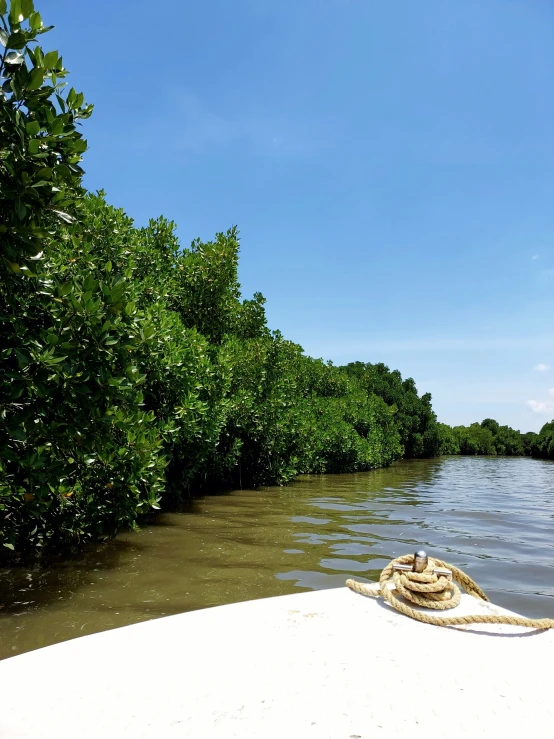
point(390, 167)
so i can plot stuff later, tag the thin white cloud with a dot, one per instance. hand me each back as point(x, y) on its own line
point(541, 367)
point(543, 407)
point(535, 256)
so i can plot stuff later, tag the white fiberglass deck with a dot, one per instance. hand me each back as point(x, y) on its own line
point(323, 664)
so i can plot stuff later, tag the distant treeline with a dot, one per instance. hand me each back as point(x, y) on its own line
point(489, 437)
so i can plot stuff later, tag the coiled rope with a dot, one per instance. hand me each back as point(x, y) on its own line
point(437, 591)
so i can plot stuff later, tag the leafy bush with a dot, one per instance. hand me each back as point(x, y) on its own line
point(487, 438)
point(133, 371)
point(542, 444)
point(414, 416)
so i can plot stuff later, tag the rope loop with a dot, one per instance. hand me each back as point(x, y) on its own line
point(436, 591)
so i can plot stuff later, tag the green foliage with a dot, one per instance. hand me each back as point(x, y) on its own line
point(486, 438)
point(507, 441)
point(475, 439)
point(529, 441)
point(450, 440)
point(79, 454)
point(414, 417)
point(291, 414)
point(40, 146)
point(207, 291)
point(541, 445)
point(133, 371)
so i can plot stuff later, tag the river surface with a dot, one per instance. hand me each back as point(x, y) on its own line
point(493, 517)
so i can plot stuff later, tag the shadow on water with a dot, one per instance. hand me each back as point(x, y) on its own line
point(40, 582)
point(490, 516)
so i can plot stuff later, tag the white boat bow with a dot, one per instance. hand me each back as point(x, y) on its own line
point(327, 664)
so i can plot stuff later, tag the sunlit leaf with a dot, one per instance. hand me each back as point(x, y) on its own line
point(15, 58)
point(27, 8)
point(15, 11)
point(37, 78)
point(64, 216)
point(50, 59)
point(35, 21)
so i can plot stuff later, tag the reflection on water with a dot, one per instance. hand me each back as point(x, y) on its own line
point(492, 517)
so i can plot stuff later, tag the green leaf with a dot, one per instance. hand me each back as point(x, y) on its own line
point(27, 8)
point(15, 11)
point(56, 127)
point(80, 146)
point(45, 173)
point(19, 434)
point(3, 7)
point(9, 546)
point(32, 128)
point(108, 267)
point(90, 284)
point(35, 21)
point(64, 216)
point(64, 171)
point(3, 37)
point(34, 146)
point(22, 358)
point(45, 29)
point(15, 58)
point(17, 40)
point(20, 209)
point(27, 271)
point(148, 332)
point(37, 78)
point(50, 59)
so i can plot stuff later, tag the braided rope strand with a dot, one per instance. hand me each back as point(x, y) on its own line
point(438, 592)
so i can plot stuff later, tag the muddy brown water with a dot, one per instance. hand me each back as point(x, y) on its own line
point(493, 517)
